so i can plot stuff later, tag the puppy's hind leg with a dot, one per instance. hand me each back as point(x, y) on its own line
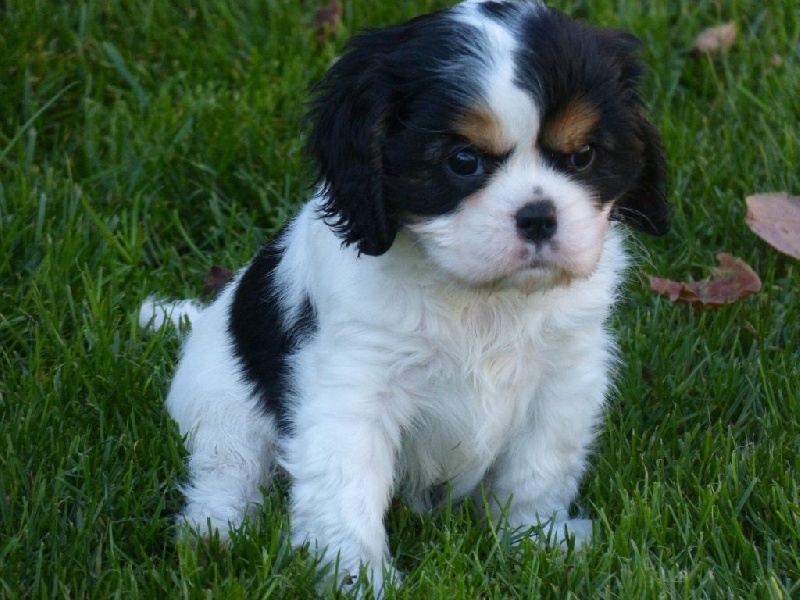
point(229, 436)
point(231, 458)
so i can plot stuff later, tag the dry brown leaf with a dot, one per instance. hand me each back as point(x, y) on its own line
point(327, 20)
point(775, 218)
point(732, 280)
point(216, 279)
point(715, 40)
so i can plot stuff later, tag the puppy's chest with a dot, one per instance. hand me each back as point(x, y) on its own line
point(471, 386)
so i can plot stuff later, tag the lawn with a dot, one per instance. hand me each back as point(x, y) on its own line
point(142, 142)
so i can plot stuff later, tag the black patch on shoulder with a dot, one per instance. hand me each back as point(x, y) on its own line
point(260, 341)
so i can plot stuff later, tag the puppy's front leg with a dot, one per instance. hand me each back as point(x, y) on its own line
point(341, 459)
point(537, 476)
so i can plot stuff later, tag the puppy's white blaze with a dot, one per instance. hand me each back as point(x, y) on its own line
point(514, 109)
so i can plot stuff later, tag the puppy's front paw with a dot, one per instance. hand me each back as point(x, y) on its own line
point(558, 533)
point(204, 521)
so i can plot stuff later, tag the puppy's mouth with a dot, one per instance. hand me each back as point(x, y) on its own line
point(538, 258)
point(539, 264)
point(543, 266)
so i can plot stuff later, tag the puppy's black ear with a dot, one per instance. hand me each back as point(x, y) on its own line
point(644, 206)
point(348, 115)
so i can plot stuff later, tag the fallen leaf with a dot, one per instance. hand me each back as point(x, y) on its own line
point(327, 20)
point(216, 280)
point(715, 40)
point(732, 280)
point(667, 287)
point(775, 218)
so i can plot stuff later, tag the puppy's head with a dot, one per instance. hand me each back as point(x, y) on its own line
point(503, 135)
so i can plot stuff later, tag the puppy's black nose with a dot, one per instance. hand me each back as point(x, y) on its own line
point(537, 221)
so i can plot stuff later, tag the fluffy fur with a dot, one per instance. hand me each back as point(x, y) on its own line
point(433, 319)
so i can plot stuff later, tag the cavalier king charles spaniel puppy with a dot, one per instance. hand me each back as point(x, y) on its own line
point(431, 325)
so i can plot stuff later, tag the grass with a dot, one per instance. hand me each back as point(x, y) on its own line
point(143, 141)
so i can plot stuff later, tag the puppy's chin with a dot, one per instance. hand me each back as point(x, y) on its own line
point(534, 279)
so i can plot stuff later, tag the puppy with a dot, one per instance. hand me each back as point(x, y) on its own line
point(432, 321)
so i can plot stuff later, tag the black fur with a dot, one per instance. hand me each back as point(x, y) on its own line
point(644, 206)
point(260, 341)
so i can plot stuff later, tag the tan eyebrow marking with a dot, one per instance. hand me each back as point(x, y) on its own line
point(570, 128)
point(481, 128)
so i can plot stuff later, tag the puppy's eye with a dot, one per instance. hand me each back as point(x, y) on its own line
point(466, 162)
point(582, 159)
